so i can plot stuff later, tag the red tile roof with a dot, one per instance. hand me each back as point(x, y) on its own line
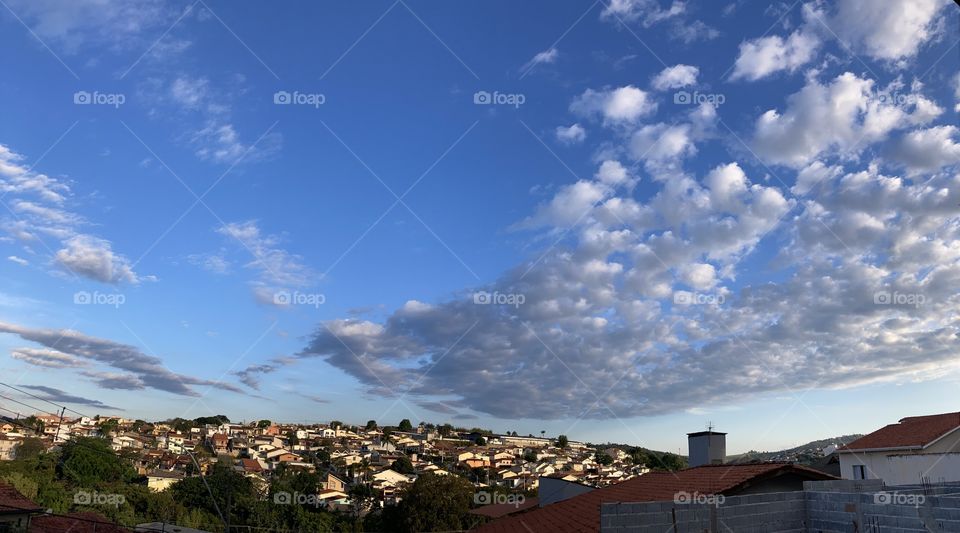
point(496, 510)
point(75, 523)
point(911, 432)
point(582, 513)
point(11, 501)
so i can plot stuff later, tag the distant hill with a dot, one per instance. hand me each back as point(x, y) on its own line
point(804, 454)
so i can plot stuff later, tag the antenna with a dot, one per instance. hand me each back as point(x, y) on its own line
point(710, 427)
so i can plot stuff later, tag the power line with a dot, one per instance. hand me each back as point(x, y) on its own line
point(42, 399)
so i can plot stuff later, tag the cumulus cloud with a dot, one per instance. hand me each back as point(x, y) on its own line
point(764, 56)
point(928, 150)
point(842, 116)
point(18, 260)
point(139, 370)
point(889, 30)
point(93, 258)
point(572, 134)
point(675, 77)
point(620, 105)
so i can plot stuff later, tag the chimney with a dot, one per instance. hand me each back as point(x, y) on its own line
point(706, 448)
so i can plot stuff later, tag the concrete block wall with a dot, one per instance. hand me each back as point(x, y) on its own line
point(821, 511)
point(758, 513)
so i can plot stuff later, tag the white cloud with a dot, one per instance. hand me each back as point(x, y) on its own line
point(891, 30)
point(928, 150)
point(647, 11)
point(675, 77)
point(18, 260)
point(764, 56)
point(843, 116)
point(542, 58)
point(621, 105)
point(573, 134)
point(38, 202)
point(93, 258)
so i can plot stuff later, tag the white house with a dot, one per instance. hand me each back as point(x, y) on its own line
point(915, 449)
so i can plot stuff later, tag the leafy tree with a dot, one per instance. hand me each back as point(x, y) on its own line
point(445, 430)
point(562, 441)
point(34, 423)
point(481, 441)
point(292, 438)
point(602, 458)
point(89, 461)
point(108, 427)
point(226, 485)
point(336, 424)
point(405, 425)
point(371, 424)
point(28, 448)
point(530, 456)
point(403, 465)
point(263, 424)
point(436, 503)
point(211, 420)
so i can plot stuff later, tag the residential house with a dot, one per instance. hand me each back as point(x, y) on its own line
point(916, 449)
point(581, 511)
point(15, 509)
point(161, 480)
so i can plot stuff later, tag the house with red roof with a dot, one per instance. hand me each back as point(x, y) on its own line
point(582, 513)
point(915, 450)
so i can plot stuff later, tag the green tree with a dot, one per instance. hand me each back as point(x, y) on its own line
point(371, 424)
point(405, 425)
point(562, 441)
point(108, 427)
point(436, 503)
point(602, 458)
point(28, 448)
point(263, 424)
point(89, 461)
point(530, 456)
point(404, 465)
point(481, 441)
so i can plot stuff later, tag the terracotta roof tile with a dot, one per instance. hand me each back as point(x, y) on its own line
point(12, 501)
point(582, 513)
point(914, 431)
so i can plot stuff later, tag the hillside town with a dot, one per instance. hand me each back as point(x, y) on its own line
point(513, 482)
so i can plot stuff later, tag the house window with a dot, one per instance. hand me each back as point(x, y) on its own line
point(859, 472)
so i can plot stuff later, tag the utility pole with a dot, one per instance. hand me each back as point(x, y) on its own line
point(57, 436)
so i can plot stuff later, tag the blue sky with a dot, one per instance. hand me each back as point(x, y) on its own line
point(683, 212)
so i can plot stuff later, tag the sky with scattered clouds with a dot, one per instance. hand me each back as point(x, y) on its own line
point(618, 220)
